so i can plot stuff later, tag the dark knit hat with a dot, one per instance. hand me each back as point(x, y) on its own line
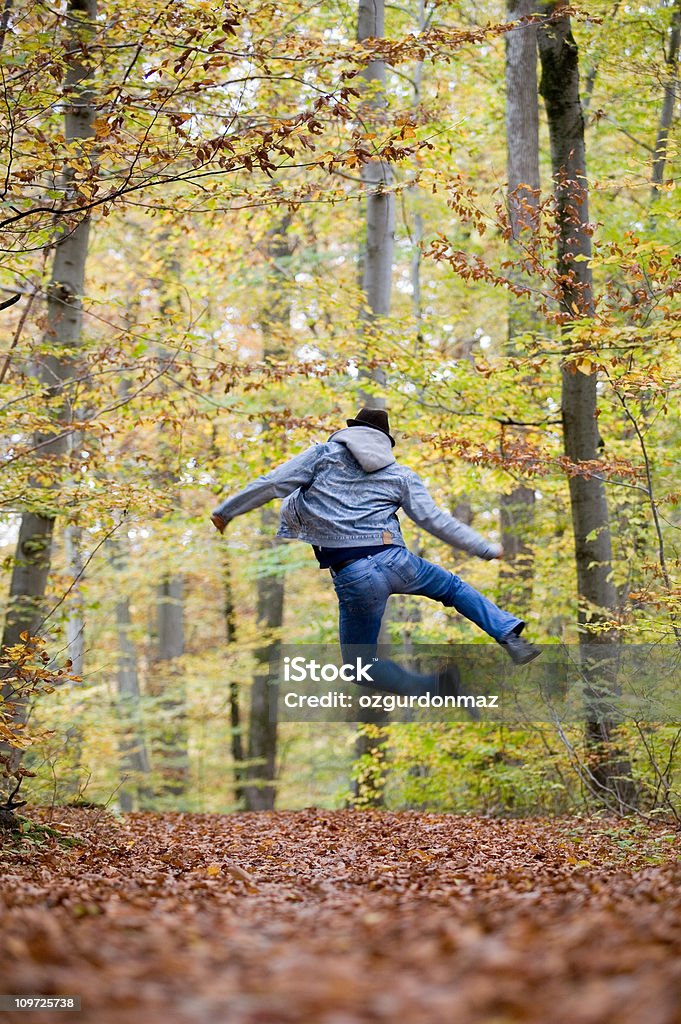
point(376, 418)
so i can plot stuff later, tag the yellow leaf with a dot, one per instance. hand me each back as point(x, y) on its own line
point(585, 366)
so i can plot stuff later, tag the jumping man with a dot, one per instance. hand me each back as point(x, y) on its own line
point(342, 497)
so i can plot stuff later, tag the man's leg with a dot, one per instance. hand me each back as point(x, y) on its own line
point(362, 596)
point(406, 573)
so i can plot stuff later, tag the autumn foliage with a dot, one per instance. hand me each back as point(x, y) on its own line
point(324, 916)
point(217, 157)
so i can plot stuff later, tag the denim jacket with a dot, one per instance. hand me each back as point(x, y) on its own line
point(346, 492)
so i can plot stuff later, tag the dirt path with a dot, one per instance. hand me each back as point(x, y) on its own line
point(345, 917)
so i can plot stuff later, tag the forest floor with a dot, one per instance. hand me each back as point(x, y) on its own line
point(341, 917)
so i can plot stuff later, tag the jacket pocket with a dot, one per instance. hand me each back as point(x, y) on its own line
point(355, 588)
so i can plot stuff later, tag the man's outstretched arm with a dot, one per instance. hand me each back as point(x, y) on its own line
point(278, 483)
point(419, 506)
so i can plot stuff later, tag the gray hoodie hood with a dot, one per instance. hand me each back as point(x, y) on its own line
point(369, 446)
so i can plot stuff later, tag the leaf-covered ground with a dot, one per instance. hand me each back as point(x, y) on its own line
point(343, 917)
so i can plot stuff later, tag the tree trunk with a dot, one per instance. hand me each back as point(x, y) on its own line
point(260, 794)
point(234, 692)
point(75, 623)
point(669, 101)
point(134, 762)
point(262, 732)
point(377, 176)
point(172, 757)
point(610, 770)
point(75, 640)
point(170, 618)
point(516, 572)
point(234, 701)
point(170, 751)
point(4, 20)
point(408, 609)
point(416, 234)
point(26, 606)
point(132, 746)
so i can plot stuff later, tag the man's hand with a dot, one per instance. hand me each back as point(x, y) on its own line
point(501, 552)
point(218, 522)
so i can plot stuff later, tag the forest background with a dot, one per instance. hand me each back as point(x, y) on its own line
point(227, 228)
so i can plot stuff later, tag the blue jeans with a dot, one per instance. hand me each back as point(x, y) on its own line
point(363, 589)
